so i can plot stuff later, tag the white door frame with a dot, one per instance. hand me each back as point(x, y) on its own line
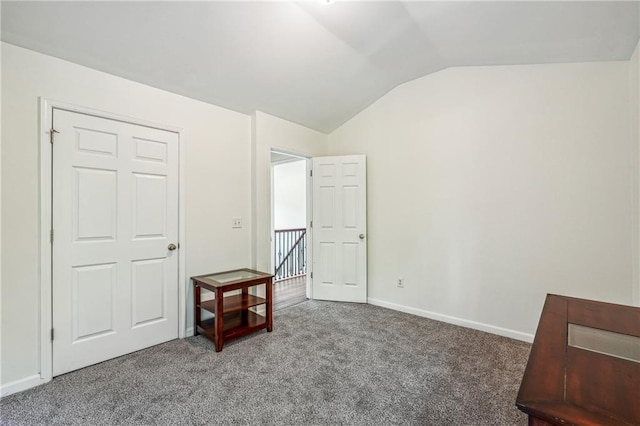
point(46, 321)
point(309, 206)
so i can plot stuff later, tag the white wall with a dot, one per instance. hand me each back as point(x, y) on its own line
point(290, 195)
point(489, 187)
point(269, 133)
point(217, 182)
point(634, 89)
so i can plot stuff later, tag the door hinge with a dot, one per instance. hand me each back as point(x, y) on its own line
point(52, 131)
point(312, 275)
point(311, 173)
point(51, 236)
point(311, 224)
point(52, 334)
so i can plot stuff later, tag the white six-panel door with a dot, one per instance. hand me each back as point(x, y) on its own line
point(339, 228)
point(115, 213)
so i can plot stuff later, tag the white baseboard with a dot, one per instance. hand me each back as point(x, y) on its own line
point(525, 337)
point(188, 332)
point(20, 385)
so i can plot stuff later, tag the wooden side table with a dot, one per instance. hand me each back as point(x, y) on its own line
point(232, 316)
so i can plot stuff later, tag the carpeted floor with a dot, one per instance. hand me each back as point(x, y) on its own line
point(324, 363)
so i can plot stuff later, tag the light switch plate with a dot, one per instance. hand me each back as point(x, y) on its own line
point(236, 222)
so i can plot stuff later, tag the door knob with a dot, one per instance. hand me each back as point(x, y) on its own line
point(361, 236)
point(172, 247)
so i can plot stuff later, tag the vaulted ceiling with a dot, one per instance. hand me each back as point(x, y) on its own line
point(314, 64)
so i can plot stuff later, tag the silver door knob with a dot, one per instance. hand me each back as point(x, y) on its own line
point(172, 247)
point(361, 236)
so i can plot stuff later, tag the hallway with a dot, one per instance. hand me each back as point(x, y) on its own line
point(289, 292)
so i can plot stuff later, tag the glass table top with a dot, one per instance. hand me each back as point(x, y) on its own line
point(604, 342)
point(223, 278)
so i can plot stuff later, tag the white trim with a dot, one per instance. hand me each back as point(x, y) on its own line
point(272, 220)
point(45, 122)
point(308, 160)
point(183, 284)
point(20, 385)
point(46, 322)
point(309, 282)
point(525, 337)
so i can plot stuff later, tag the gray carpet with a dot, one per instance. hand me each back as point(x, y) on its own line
point(324, 363)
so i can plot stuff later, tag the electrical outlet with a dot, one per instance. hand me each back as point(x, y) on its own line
point(400, 282)
point(236, 222)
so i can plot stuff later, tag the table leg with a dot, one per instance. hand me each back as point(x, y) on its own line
point(269, 305)
point(245, 312)
point(218, 321)
point(196, 309)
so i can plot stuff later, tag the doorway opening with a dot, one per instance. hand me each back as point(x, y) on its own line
point(289, 235)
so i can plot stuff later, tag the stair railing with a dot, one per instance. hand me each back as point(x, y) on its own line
point(290, 253)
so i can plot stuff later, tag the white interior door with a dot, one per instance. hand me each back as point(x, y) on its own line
point(339, 228)
point(115, 213)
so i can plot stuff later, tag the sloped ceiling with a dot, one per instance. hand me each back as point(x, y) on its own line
point(317, 65)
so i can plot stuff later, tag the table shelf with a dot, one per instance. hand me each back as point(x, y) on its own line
point(234, 325)
point(234, 303)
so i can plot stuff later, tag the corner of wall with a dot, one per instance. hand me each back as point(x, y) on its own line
point(254, 213)
point(1, 298)
point(634, 110)
point(1, 47)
